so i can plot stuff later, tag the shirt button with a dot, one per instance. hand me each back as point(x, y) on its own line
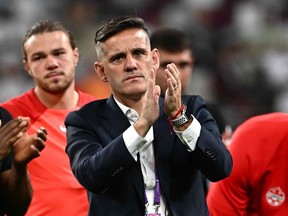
point(190, 139)
point(150, 184)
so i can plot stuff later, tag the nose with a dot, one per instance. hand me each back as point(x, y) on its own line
point(51, 62)
point(130, 64)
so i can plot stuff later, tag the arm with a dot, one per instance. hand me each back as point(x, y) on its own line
point(16, 189)
point(213, 158)
point(15, 183)
point(200, 134)
point(95, 156)
point(231, 196)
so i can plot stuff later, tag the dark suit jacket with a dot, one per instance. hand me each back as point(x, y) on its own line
point(103, 165)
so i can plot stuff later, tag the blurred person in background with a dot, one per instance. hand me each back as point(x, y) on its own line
point(17, 149)
point(50, 56)
point(258, 184)
point(175, 47)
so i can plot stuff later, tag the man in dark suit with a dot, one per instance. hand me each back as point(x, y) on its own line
point(137, 153)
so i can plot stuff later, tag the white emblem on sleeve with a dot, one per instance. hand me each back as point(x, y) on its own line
point(275, 196)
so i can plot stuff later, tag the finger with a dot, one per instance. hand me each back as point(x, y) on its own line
point(170, 85)
point(44, 130)
point(26, 119)
point(13, 127)
point(42, 133)
point(11, 140)
point(25, 122)
point(39, 144)
point(170, 79)
point(11, 133)
point(175, 70)
point(151, 83)
point(157, 92)
point(34, 152)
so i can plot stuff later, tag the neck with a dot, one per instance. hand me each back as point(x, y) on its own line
point(64, 100)
point(132, 103)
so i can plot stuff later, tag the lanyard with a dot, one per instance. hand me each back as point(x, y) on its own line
point(157, 194)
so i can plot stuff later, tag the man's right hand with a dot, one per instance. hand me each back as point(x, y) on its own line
point(150, 106)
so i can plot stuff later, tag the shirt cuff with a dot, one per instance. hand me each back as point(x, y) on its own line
point(133, 141)
point(190, 136)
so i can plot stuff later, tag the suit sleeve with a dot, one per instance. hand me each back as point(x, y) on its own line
point(94, 164)
point(230, 196)
point(213, 158)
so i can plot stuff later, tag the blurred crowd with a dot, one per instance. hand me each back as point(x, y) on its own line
point(241, 47)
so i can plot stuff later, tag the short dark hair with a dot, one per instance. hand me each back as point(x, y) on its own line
point(114, 26)
point(119, 24)
point(170, 39)
point(46, 26)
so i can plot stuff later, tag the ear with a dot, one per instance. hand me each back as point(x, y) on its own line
point(76, 56)
point(156, 58)
point(99, 69)
point(26, 67)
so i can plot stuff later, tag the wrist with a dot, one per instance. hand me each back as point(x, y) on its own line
point(19, 168)
point(181, 117)
point(178, 113)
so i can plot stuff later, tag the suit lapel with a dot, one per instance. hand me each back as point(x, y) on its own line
point(164, 138)
point(112, 113)
point(113, 119)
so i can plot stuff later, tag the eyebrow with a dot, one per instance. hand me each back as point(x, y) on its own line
point(139, 50)
point(123, 54)
point(117, 55)
point(164, 64)
point(52, 51)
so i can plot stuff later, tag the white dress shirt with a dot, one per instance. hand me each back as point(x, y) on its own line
point(143, 145)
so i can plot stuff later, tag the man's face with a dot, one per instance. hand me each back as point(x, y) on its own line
point(51, 61)
point(127, 63)
point(184, 63)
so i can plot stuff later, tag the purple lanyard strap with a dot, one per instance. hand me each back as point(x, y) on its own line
point(157, 194)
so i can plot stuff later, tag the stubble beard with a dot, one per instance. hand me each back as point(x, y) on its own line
point(57, 86)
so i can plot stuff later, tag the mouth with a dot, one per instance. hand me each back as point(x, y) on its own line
point(54, 74)
point(133, 77)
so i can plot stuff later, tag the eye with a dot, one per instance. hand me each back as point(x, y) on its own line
point(163, 65)
point(37, 58)
point(59, 53)
point(117, 58)
point(138, 52)
point(183, 64)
